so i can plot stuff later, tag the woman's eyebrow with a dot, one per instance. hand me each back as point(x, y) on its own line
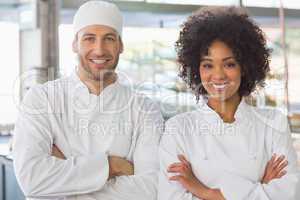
point(227, 58)
point(205, 59)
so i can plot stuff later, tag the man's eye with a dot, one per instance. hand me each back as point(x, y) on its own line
point(88, 39)
point(110, 39)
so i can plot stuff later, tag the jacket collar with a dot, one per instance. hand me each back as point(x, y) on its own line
point(81, 92)
point(242, 113)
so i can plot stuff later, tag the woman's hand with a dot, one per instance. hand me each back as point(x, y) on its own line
point(57, 153)
point(186, 178)
point(275, 168)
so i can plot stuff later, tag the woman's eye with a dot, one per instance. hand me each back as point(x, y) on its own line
point(206, 65)
point(230, 65)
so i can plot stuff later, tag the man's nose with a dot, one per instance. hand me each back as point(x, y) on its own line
point(99, 48)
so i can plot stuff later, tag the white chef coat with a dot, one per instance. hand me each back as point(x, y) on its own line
point(86, 128)
point(229, 156)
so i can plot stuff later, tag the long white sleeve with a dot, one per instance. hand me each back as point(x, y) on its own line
point(168, 151)
point(41, 175)
point(143, 184)
point(239, 188)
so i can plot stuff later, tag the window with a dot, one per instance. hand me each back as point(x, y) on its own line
point(9, 70)
point(149, 62)
point(293, 4)
point(198, 2)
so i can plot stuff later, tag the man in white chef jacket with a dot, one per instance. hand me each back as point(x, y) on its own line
point(87, 136)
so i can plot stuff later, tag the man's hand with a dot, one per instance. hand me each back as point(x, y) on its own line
point(57, 153)
point(274, 168)
point(119, 167)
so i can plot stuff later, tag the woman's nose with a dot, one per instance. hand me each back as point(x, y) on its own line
point(219, 73)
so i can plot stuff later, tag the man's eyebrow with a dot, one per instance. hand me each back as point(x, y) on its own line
point(92, 34)
point(88, 34)
point(111, 34)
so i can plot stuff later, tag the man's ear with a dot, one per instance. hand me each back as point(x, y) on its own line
point(75, 45)
point(121, 45)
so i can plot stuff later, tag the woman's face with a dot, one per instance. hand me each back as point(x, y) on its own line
point(220, 72)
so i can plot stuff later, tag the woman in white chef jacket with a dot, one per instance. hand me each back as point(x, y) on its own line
point(226, 149)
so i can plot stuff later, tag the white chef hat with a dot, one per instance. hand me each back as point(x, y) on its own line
point(98, 13)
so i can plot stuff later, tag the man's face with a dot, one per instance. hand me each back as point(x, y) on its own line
point(98, 48)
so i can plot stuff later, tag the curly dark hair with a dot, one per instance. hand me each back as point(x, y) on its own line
point(232, 26)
